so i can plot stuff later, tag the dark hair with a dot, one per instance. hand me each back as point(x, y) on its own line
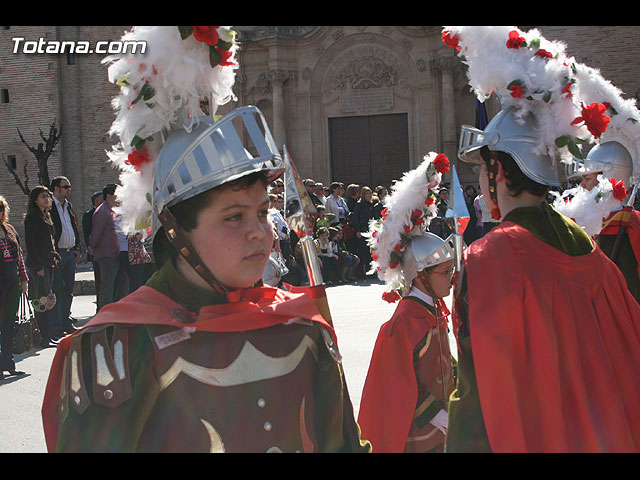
point(32, 206)
point(186, 212)
point(56, 181)
point(109, 189)
point(516, 181)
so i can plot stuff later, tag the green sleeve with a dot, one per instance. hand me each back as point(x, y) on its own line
point(466, 430)
point(336, 427)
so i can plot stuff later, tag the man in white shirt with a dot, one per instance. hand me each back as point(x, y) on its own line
point(67, 241)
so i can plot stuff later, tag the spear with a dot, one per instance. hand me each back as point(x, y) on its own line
point(460, 214)
point(301, 215)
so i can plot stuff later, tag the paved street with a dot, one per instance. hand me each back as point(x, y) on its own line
point(357, 311)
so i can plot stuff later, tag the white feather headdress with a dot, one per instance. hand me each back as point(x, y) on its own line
point(409, 210)
point(160, 91)
point(529, 71)
point(588, 208)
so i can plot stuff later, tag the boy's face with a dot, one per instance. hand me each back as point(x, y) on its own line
point(233, 235)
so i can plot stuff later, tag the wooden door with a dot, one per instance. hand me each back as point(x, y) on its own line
point(369, 150)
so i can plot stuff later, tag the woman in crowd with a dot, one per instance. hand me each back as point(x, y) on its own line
point(13, 282)
point(42, 257)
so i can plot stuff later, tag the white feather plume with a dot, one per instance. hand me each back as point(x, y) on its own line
point(176, 74)
point(408, 195)
point(493, 68)
point(588, 208)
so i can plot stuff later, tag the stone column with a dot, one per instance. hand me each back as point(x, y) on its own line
point(278, 78)
point(448, 66)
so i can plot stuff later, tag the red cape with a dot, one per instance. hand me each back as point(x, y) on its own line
point(617, 219)
point(390, 391)
point(251, 309)
point(556, 346)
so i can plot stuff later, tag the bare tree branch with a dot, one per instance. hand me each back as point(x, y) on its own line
point(24, 186)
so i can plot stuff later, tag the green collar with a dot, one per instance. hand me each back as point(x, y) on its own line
point(553, 228)
point(168, 281)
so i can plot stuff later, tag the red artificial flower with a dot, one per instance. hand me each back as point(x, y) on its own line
point(441, 163)
point(594, 118)
point(429, 201)
point(516, 91)
point(391, 296)
point(408, 228)
point(567, 89)
point(542, 53)
point(137, 159)
point(393, 264)
point(416, 213)
point(225, 57)
point(619, 192)
point(451, 41)
point(383, 213)
point(208, 35)
point(374, 256)
point(398, 247)
point(515, 40)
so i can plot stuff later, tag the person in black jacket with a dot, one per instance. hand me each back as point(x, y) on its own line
point(87, 222)
point(362, 213)
point(67, 241)
point(42, 257)
point(13, 280)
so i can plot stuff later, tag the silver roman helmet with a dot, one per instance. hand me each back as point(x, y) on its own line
point(612, 159)
point(425, 251)
point(211, 154)
point(508, 133)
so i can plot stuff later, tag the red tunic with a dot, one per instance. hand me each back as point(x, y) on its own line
point(556, 346)
point(390, 393)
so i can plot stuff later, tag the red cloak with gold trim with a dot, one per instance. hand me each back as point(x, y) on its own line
point(390, 391)
point(556, 346)
point(249, 309)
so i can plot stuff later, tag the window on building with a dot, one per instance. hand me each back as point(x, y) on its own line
point(71, 58)
point(4, 95)
point(11, 160)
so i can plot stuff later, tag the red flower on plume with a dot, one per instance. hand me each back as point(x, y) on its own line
point(391, 296)
point(441, 163)
point(429, 201)
point(516, 91)
point(393, 264)
point(137, 159)
point(619, 192)
point(542, 53)
point(208, 35)
point(225, 57)
point(398, 247)
point(567, 89)
point(383, 213)
point(515, 40)
point(451, 41)
point(594, 118)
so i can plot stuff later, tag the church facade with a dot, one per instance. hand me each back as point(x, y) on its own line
point(356, 104)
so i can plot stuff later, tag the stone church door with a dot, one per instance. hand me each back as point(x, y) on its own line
point(369, 150)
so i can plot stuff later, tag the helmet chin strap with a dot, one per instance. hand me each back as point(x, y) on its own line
point(185, 249)
point(492, 168)
point(424, 281)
